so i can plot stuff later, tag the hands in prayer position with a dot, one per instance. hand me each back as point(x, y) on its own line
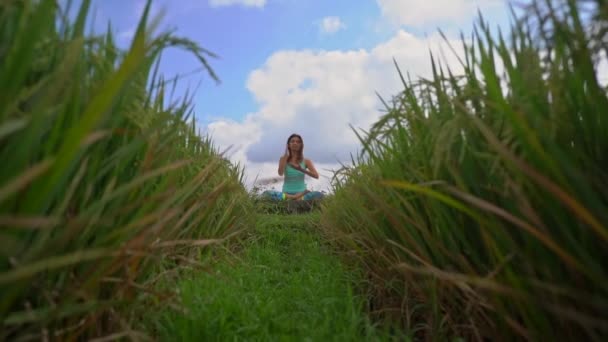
point(294, 187)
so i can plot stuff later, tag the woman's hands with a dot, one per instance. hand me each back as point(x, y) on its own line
point(309, 170)
point(312, 172)
point(297, 167)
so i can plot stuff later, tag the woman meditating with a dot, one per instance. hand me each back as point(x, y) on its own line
point(295, 167)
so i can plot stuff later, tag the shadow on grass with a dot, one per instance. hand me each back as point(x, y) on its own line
point(266, 206)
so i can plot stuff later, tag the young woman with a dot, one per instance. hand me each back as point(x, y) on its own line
point(294, 167)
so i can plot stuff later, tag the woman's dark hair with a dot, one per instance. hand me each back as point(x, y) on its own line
point(301, 156)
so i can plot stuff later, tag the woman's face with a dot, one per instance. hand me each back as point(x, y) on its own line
point(295, 144)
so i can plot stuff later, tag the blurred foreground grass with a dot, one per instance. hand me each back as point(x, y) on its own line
point(479, 205)
point(105, 186)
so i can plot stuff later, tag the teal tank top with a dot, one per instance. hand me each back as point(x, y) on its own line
point(294, 179)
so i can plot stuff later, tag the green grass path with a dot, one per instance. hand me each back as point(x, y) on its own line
point(283, 285)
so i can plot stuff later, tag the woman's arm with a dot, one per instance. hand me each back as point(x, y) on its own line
point(310, 169)
point(283, 162)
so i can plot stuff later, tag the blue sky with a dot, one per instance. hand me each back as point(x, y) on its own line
point(243, 37)
point(307, 66)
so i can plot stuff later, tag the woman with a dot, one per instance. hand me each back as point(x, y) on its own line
point(294, 167)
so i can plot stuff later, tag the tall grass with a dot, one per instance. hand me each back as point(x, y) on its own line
point(105, 185)
point(479, 206)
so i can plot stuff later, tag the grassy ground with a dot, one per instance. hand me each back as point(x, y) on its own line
point(284, 284)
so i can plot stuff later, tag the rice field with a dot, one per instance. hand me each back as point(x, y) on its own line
point(477, 210)
point(105, 186)
point(479, 206)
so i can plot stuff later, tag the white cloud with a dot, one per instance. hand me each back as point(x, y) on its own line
point(425, 12)
point(318, 94)
point(234, 137)
point(331, 25)
point(246, 3)
point(601, 69)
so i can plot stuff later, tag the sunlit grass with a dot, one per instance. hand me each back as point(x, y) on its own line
point(480, 202)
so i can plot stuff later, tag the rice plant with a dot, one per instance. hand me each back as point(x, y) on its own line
point(479, 205)
point(105, 185)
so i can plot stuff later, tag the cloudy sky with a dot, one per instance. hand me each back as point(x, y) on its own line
point(306, 66)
